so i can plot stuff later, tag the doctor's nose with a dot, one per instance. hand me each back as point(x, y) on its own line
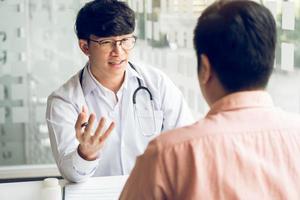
point(117, 48)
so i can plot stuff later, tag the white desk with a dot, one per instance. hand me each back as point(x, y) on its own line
point(31, 190)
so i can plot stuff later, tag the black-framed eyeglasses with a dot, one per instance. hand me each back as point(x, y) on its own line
point(109, 44)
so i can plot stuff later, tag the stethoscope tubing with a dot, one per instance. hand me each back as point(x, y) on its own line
point(135, 91)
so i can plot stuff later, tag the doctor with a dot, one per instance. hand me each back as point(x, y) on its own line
point(115, 106)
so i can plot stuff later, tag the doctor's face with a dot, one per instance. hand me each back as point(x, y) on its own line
point(109, 55)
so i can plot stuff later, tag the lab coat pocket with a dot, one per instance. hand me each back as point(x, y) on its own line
point(149, 123)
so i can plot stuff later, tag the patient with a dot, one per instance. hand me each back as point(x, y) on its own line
point(245, 147)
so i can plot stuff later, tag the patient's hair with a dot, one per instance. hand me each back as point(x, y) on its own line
point(104, 18)
point(239, 39)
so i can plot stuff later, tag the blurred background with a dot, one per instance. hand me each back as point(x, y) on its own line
point(39, 52)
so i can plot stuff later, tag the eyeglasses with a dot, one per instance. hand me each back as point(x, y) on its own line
point(108, 45)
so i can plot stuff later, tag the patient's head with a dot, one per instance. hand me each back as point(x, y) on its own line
point(237, 40)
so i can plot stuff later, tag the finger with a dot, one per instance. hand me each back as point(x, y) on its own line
point(84, 109)
point(81, 119)
point(78, 123)
point(84, 112)
point(107, 132)
point(99, 128)
point(90, 123)
point(87, 134)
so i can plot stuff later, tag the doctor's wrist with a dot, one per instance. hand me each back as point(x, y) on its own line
point(86, 156)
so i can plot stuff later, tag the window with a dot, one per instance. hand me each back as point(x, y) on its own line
point(39, 51)
point(174, 21)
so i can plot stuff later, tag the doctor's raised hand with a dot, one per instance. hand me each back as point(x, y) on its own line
point(90, 142)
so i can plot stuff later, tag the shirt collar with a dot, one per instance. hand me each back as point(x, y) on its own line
point(240, 100)
point(89, 83)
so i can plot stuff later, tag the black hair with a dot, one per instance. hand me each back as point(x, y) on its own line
point(104, 18)
point(239, 39)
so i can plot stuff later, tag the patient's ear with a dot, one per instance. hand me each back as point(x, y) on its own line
point(205, 71)
point(83, 44)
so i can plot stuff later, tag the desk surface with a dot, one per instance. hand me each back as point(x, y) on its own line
point(31, 190)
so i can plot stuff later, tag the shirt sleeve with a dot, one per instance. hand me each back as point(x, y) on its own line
point(61, 117)
point(176, 110)
point(147, 180)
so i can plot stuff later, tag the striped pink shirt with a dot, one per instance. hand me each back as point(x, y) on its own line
point(245, 148)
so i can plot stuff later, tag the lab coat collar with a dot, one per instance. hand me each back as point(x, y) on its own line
point(134, 72)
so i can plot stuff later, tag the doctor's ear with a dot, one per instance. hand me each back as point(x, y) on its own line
point(205, 71)
point(83, 44)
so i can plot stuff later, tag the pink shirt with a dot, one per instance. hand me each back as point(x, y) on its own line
point(245, 148)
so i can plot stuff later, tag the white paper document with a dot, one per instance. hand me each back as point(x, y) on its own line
point(96, 188)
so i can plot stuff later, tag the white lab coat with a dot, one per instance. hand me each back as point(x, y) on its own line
point(126, 142)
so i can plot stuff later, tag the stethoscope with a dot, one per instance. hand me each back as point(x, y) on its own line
point(145, 132)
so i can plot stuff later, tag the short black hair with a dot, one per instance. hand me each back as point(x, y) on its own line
point(239, 39)
point(104, 18)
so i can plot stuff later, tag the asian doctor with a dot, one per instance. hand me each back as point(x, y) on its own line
point(101, 119)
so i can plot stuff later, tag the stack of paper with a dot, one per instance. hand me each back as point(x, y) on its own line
point(97, 188)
